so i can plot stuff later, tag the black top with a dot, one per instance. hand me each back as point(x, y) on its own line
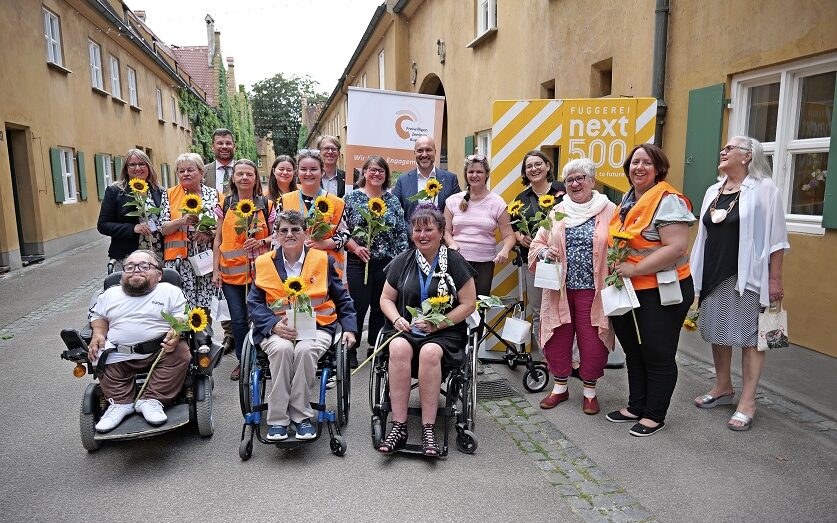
point(720, 252)
point(530, 203)
point(113, 221)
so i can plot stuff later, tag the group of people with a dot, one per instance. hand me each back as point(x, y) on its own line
point(442, 245)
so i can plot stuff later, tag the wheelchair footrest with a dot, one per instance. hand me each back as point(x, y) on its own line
point(260, 407)
point(441, 411)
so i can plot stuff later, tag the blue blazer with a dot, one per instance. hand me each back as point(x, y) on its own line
point(264, 319)
point(407, 185)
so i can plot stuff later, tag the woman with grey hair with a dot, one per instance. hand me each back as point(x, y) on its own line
point(579, 244)
point(737, 269)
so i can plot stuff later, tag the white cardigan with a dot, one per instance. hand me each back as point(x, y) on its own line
point(762, 232)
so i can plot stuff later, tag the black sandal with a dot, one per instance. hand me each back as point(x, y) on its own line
point(428, 441)
point(396, 438)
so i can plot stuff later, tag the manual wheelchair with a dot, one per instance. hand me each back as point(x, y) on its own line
point(193, 403)
point(332, 371)
point(459, 390)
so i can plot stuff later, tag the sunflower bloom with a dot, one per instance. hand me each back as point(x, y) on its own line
point(621, 235)
point(198, 319)
point(192, 203)
point(689, 325)
point(440, 300)
point(294, 287)
point(323, 205)
point(515, 207)
point(245, 208)
point(377, 207)
point(546, 201)
point(138, 185)
point(432, 187)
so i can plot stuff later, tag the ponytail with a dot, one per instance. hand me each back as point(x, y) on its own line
point(463, 205)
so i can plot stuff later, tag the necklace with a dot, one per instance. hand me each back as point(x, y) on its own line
point(548, 187)
point(719, 215)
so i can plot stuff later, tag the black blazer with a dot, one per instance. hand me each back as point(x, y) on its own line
point(341, 183)
point(113, 221)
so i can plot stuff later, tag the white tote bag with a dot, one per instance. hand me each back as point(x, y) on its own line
point(220, 310)
point(773, 328)
point(202, 263)
point(548, 275)
point(617, 301)
point(516, 330)
point(305, 325)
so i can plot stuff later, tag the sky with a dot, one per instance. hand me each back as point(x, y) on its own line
point(266, 37)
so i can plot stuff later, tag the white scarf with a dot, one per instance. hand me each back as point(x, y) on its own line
point(578, 213)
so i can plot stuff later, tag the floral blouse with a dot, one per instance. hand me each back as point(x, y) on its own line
point(386, 244)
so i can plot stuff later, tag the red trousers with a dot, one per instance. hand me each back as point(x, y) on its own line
point(558, 351)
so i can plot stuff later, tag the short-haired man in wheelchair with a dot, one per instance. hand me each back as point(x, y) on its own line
point(128, 330)
point(293, 364)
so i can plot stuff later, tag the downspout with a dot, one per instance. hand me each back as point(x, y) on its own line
point(658, 75)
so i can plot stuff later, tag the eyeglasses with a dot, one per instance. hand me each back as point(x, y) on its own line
point(536, 165)
point(729, 148)
point(327, 150)
point(137, 165)
point(293, 230)
point(574, 180)
point(139, 267)
point(309, 152)
point(374, 170)
point(475, 158)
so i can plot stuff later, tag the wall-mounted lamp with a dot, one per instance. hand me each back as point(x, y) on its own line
point(440, 50)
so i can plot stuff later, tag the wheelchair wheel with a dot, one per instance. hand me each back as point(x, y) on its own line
point(344, 385)
point(248, 359)
point(338, 445)
point(536, 378)
point(377, 432)
point(466, 441)
point(203, 410)
point(245, 449)
point(87, 427)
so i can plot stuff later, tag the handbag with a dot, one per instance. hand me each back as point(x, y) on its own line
point(616, 301)
point(669, 287)
point(548, 275)
point(516, 330)
point(220, 309)
point(202, 262)
point(773, 328)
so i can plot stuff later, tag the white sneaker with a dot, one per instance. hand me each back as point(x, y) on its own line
point(152, 411)
point(114, 415)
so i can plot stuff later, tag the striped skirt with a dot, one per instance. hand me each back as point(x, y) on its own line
point(726, 318)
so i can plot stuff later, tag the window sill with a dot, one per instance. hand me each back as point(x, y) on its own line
point(100, 91)
point(59, 68)
point(65, 202)
point(161, 121)
point(487, 35)
point(135, 108)
point(118, 100)
point(811, 228)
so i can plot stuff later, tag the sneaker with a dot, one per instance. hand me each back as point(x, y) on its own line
point(277, 433)
point(114, 415)
point(152, 411)
point(304, 430)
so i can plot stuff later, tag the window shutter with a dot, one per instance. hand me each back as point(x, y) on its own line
point(469, 145)
point(703, 141)
point(99, 162)
point(118, 161)
point(82, 177)
point(164, 176)
point(57, 174)
point(829, 211)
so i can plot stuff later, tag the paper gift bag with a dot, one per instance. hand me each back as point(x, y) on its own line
point(202, 263)
point(516, 330)
point(220, 310)
point(669, 286)
point(304, 323)
point(773, 328)
point(617, 301)
point(548, 275)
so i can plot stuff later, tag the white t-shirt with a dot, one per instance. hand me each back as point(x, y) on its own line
point(135, 319)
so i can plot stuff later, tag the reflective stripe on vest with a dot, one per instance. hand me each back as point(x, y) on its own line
point(639, 218)
point(234, 261)
point(315, 275)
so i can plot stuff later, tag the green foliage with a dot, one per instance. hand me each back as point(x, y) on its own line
point(277, 108)
point(303, 137)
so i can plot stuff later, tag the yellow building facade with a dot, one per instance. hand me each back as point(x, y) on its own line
point(84, 82)
point(764, 68)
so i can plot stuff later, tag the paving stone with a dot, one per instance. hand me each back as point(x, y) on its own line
point(622, 499)
point(591, 488)
point(538, 456)
point(528, 428)
point(609, 486)
point(592, 516)
point(537, 418)
point(617, 516)
point(568, 490)
point(574, 476)
point(530, 410)
point(502, 421)
point(636, 514)
point(503, 402)
point(538, 436)
point(546, 466)
point(579, 503)
point(556, 478)
point(528, 446)
point(603, 501)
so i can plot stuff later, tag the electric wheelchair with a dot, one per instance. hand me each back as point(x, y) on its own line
point(193, 403)
point(459, 390)
point(332, 371)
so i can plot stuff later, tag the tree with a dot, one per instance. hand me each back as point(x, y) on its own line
point(277, 107)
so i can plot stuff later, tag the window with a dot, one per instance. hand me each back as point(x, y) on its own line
point(486, 16)
point(115, 87)
point(160, 105)
point(96, 65)
point(69, 174)
point(132, 88)
point(362, 81)
point(381, 71)
point(52, 35)
point(174, 111)
point(107, 170)
point(484, 143)
point(789, 109)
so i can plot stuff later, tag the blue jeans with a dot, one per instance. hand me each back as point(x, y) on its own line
point(237, 302)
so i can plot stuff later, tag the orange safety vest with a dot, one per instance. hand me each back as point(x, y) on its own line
point(234, 260)
point(315, 275)
point(291, 202)
point(637, 219)
point(176, 244)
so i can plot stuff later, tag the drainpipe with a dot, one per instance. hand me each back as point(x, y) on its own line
point(658, 75)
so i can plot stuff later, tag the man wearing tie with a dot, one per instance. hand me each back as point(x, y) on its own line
point(218, 174)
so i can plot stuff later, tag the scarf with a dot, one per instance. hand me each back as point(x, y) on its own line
point(578, 213)
point(446, 285)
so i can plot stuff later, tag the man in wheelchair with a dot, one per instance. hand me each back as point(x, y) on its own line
point(293, 363)
point(128, 330)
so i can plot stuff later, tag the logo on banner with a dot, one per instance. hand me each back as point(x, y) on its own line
point(407, 126)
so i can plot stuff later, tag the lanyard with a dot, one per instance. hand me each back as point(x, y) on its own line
point(302, 203)
point(424, 284)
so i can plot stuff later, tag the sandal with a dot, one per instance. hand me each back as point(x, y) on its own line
point(708, 401)
point(741, 418)
point(428, 441)
point(396, 438)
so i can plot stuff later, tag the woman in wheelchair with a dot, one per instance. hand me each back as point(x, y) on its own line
point(293, 363)
point(428, 270)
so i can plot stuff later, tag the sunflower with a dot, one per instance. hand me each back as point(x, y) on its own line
point(515, 207)
point(294, 286)
point(546, 201)
point(323, 205)
point(377, 207)
point(245, 208)
point(198, 319)
point(138, 185)
point(440, 300)
point(689, 325)
point(621, 235)
point(432, 187)
point(192, 203)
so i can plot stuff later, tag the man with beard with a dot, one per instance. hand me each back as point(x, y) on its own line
point(128, 332)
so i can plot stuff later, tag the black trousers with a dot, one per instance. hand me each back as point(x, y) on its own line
point(652, 371)
point(367, 296)
point(482, 281)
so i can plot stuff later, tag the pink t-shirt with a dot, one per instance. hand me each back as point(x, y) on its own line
point(474, 229)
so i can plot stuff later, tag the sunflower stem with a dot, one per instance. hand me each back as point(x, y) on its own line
point(379, 349)
point(148, 376)
point(636, 326)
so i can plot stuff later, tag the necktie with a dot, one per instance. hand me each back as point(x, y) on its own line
point(226, 176)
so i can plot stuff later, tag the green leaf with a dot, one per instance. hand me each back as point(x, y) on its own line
point(133, 213)
point(413, 311)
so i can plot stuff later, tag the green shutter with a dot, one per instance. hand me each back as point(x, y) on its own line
point(82, 176)
point(99, 163)
point(469, 145)
point(703, 141)
point(164, 175)
point(829, 211)
point(118, 161)
point(57, 174)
